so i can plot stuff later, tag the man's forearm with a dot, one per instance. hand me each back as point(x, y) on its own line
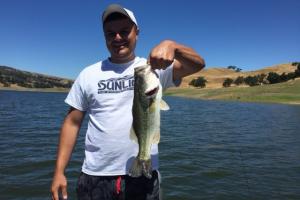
point(188, 58)
point(67, 140)
point(66, 145)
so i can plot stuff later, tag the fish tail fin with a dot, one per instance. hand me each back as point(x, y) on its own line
point(140, 167)
point(136, 168)
point(147, 168)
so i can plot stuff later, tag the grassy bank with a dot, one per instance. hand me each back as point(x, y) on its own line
point(288, 93)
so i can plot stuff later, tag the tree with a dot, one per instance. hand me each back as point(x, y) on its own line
point(297, 71)
point(227, 82)
point(198, 82)
point(1, 78)
point(295, 63)
point(239, 80)
point(231, 67)
point(192, 82)
point(251, 80)
point(273, 77)
point(262, 79)
point(291, 75)
point(238, 69)
point(5, 84)
point(284, 77)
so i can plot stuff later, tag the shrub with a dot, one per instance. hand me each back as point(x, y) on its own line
point(284, 77)
point(239, 80)
point(227, 82)
point(238, 69)
point(235, 68)
point(291, 75)
point(192, 82)
point(273, 77)
point(297, 71)
point(262, 79)
point(231, 67)
point(251, 80)
point(6, 84)
point(198, 82)
point(42, 85)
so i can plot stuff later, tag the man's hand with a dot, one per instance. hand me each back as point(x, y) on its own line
point(185, 60)
point(162, 55)
point(59, 184)
point(68, 135)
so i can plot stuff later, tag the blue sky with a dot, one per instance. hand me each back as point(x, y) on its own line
point(61, 37)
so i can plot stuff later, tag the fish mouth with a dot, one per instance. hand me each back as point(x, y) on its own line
point(151, 92)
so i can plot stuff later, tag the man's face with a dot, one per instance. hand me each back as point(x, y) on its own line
point(120, 36)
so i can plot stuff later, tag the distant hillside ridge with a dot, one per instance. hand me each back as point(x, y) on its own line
point(14, 78)
point(215, 76)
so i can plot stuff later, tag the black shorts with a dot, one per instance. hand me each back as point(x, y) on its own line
point(118, 187)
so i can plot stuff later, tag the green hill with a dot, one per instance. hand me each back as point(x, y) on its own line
point(18, 79)
point(287, 92)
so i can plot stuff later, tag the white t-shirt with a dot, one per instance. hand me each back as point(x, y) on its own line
point(105, 91)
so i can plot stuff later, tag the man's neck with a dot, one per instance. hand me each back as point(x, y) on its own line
point(120, 60)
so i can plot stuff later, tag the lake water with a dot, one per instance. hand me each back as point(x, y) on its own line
point(208, 149)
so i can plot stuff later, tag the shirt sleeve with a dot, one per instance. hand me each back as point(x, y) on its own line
point(77, 95)
point(166, 78)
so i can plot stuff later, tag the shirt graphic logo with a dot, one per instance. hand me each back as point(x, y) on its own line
point(116, 85)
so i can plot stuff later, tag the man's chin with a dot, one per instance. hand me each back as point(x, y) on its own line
point(121, 53)
point(122, 58)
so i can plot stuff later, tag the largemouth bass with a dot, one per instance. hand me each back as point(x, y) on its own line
point(146, 108)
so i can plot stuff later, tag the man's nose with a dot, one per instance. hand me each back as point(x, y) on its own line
point(118, 36)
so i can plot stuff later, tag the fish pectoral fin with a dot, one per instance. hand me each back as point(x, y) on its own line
point(133, 136)
point(164, 105)
point(156, 138)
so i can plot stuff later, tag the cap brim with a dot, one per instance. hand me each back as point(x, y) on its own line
point(114, 8)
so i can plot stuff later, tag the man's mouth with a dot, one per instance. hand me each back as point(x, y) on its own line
point(119, 45)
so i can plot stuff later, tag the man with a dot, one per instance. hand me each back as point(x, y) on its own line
point(105, 91)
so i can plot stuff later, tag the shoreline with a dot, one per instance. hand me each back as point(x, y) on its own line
point(282, 93)
point(279, 93)
point(60, 90)
point(297, 103)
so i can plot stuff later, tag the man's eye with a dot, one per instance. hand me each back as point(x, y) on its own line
point(110, 34)
point(124, 32)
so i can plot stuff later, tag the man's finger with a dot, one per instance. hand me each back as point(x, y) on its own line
point(152, 63)
point(64, 192)
point(54, 194)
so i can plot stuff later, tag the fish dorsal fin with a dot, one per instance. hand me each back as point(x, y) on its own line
point(156, 138)
point(164, 105)
point(133, 136)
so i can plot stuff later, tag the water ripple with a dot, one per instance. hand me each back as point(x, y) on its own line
point(208, 149)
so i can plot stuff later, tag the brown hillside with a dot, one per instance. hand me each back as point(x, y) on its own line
point(215, 76)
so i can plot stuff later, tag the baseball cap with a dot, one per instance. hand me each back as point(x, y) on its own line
point(116, 8)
